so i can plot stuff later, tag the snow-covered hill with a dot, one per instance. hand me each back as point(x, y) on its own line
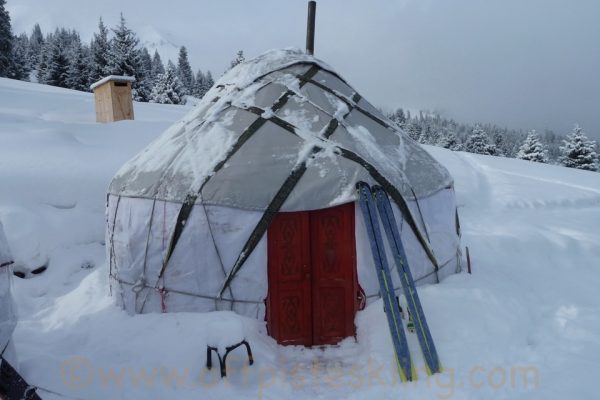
point(525, 324)
point(155, 40)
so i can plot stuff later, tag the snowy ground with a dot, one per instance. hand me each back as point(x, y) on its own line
point(525, 324)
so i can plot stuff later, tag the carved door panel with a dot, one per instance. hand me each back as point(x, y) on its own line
point(289, 304)
point(333, 262)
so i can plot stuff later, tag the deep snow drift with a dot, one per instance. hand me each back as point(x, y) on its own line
point(525, 324)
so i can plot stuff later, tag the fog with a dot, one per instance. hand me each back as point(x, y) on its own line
point(518, 63)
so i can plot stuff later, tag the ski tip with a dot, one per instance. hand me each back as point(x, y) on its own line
point(360, 185)
point(403, 377)
point(438, 369)
point(378, 192)
point(413, 372)
point(413, 376)
point(428, 370)
point(402, 372)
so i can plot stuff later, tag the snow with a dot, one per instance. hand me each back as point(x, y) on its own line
point(530, 306)
point(56, 163)
point(169, 168)
point(244, 74)
point(224, 329)
point(116, 78)
point(341, 109)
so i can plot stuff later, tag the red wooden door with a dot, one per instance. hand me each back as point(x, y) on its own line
point(289, 299)
point(334, 282)
point(312, 276)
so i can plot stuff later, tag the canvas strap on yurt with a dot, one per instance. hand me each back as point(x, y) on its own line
point(421, 215)
point(214, 242)
point(111, 242)
point(190, 199)
point(163, 298)
point(142, 279)
point(437, 278)
point(280, 197)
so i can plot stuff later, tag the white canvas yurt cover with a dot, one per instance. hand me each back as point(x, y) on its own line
point(8, 319)
point(188, 216)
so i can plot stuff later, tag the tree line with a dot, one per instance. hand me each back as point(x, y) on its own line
point(62, 59)
point(574, 150)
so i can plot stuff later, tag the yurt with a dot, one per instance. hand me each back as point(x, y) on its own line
point(249, 204)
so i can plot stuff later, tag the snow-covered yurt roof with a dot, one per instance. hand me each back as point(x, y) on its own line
point(280, 114)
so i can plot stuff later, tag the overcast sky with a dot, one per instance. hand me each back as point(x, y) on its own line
point(519, 63)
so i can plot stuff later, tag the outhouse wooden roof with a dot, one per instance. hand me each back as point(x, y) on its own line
point(112, 78)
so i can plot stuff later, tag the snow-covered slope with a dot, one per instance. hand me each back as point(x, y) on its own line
point(524, 325)
point(56, 163)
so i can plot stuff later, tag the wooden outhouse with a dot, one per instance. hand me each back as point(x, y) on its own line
point(114, 100)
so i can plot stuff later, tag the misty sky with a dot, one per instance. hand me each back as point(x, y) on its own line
point(519, 63)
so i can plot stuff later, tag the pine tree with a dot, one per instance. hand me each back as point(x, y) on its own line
point(144, 79)
point(512, 142)
point(499, 144)
point(6, 41)
point(207, 83)
point(43, 61)
point(168, 88)
point(239, 58)
point(184, 71)
point(478, 142)
point(552, 142)
point(145, 62)
point(79, 68)
point(36, 43)
point(429, 133)
point(413, 129)
point(202, 84)
point(20, 67)
point(44, 58)
point(22, 41)
point(56, 71)
point(100, 48)
point(158, 67)
point(198, 85)
point(172, 66)
point(123, 56)
point(448, 140)
point(398, 117)
point(579, 152)
point(532, 149)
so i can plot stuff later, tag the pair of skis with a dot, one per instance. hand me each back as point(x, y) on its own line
point(374, 201)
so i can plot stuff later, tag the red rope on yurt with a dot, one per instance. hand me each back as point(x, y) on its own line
point(163, 299)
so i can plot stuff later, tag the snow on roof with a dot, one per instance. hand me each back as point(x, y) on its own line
point(246, 73)
point(115, 78)
point(206, 149)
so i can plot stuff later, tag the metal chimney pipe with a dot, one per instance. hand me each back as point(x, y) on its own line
point(310, 27)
